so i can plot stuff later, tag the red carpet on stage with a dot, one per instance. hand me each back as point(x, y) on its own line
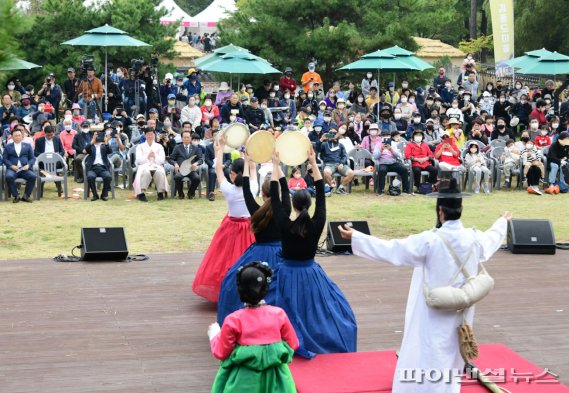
point(367, 372)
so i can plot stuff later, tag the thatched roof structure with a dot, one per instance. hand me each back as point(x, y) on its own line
point(429, 48)
point(186, 54)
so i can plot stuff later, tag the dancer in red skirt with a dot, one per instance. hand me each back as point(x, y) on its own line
point(233, 236)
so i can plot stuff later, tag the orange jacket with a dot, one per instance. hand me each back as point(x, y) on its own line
point(87, 89)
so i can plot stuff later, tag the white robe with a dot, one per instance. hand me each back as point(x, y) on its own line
point(430, 339)
point(142, 151)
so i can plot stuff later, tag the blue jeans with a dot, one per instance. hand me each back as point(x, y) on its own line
point(553, 169)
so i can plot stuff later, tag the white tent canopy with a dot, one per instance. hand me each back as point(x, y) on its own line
point(175, 13)
point(216, 11)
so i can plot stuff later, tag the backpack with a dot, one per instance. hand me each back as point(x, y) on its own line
point(394, 191)
point(425, 188)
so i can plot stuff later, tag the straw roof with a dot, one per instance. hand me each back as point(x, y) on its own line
point(429, 48)
point(186, 54)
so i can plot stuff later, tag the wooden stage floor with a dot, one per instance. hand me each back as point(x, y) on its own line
point(137, 327)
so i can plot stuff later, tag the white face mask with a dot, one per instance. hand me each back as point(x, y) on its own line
point(310, 95)
point(272, 95)
point(447, 85)
point(85, 130)
point(317, 128)
point(534, 126)
point(369, 75)
point(403, 100)
point(11, 87)
point(327, 118)
point(405, 85)
point(287, 96)
point(360, 99)
point(207, 102)
point(351, 118)
point(455, 106)
point(411, 100)
point(418, 139)
point(466, 98)
point(277, 88)
point(68, 127)
point(416, 120)
point(555, 125)
point(397, 116)
point(263, 106)
point(373, 132)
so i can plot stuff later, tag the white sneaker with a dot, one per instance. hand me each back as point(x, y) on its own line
point(477, 190)
point(536, 190)
point(486, 189)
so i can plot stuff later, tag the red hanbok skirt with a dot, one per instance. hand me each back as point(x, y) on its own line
point(229, 242)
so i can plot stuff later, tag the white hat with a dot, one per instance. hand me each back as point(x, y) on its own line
point(169, 76)
point(223, 86)
point(487, 94)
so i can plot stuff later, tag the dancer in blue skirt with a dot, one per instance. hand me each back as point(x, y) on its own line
point(267, 246)
point(318, 310)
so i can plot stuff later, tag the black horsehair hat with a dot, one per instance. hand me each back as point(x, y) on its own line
point(449, 188)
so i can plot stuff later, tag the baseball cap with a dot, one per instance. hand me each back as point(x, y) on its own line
point(139, 116)
point(85, 124)
point(154, 110)
point(71, 69)
point(169, 76)
point(171, 96)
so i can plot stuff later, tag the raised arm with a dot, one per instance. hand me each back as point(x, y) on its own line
point(319, 215)
point(252, 205)
point(219, 145)
point(278, 209)
point(492, 239)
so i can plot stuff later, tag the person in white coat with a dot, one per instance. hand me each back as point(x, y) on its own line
point(430, 359)
point(150, 158)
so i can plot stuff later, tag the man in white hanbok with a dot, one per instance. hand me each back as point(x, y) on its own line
point(429, 358)
point(150, 158)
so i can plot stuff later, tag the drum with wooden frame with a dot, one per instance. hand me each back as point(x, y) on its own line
point(260, 146)
point(293, 148)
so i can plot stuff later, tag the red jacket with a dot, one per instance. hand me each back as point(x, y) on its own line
point(286, 83)
point(539, 115)
point(452, 160)
point(413, 150)
point(542, 141)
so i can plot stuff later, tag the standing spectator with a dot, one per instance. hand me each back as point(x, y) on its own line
point(90, 92)
point(447, 93)
point(69, 87)
point(310, 77)
point(134, 87)
point(12, 92)
point(471, 84)
point(367, 83)
point(167, 88)
point(171, 112)
point(181, 92)
point(439, 82)
point(287, 82)
point(7, 110)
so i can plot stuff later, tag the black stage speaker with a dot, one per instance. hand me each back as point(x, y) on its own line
point(103, 244)
point(531, 237)
point(335, 241)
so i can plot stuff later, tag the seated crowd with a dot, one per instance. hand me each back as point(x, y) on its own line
point(397, 131)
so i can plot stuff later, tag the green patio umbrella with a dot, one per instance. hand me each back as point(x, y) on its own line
point(240, 63)
point(408, 57)
point(17, 64)
point(105, 36)
point(551, 64)
point(530, 58)
point(219, 52)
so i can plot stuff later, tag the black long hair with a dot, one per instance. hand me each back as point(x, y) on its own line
point(263, 216)
point(253, 281)
point(237, 166)
point(301, 201)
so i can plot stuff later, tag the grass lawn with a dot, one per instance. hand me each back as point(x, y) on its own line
point(51, 226)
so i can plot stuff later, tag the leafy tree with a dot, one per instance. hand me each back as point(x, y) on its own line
point(12, 23)
point(193, 7)
point(294, 32)
point(541, 24)
point(477, 45)
point(61, 21)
